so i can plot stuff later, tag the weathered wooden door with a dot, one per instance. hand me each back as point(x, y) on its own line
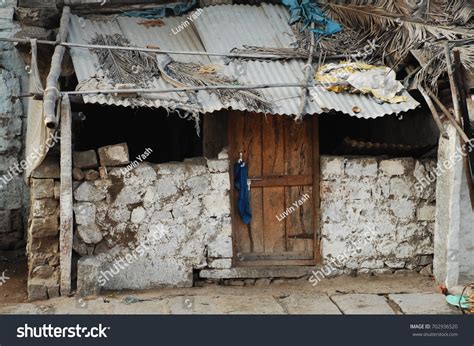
point(283, 161)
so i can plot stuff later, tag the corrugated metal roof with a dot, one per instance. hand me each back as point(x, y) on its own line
point(219, 29)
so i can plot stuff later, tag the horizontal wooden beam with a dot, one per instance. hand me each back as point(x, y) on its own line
point(282, 180)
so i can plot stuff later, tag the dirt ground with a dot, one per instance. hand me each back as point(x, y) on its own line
point(362, 294)
point(13, 265)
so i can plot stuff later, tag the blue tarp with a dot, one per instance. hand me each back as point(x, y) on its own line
point(160, 12)
point(309, 12)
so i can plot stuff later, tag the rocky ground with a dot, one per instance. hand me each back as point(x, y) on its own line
point(386, 294)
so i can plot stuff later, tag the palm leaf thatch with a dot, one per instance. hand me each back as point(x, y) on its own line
point(124, 66)
point(192, 74)
point(139, 68)
point(398, 26)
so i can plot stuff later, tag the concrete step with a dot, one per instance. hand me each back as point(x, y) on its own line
point(258, 272)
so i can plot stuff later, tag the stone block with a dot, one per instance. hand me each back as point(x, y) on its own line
point(45, 245)
point(403, 209)
point(220, 182)
point(372, 264)
point(91, 175)
point(426, 213)
point(221, 247)
point(90, 234)
point(400, 187)
point(42, 188)
point(217, 205)
point(77, 174)
point(49, 169)
point(44, 227)
point(395, 264)
point(218, 166)
point(44, 207)
point(198, 186)
point(89, 192)
point(85, 213)
point(360, 167)
point(85, 159)
point(138, 215)
point(88, 269)
point(53, 291)
point(36, 290)
point(362, 304)
point(394, 167)
point(332, 167)
point(220, 263)
point(114, 155)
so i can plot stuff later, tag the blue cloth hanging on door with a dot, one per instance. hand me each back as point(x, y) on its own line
point(240, 182)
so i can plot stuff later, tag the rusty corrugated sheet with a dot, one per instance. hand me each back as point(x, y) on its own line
point(219, 29)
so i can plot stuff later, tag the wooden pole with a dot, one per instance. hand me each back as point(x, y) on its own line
point(434, 112)
point(51, 93)
point(171, 90)
point(66, 198)
point(448, 115)
point(165, 51)
point(452, 83)
point(307, 71)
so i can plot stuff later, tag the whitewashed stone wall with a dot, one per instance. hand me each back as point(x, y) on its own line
point(373, 215)
point(116, 217)
point(13, 197)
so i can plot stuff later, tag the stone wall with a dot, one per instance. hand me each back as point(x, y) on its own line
point(43, 232)
point(152, 225)
point(13, 192)
point(373, 211)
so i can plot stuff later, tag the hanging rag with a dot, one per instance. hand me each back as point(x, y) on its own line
point(309, 13)
point(240, 183)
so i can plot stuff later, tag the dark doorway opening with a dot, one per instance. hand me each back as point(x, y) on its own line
point(170, 137)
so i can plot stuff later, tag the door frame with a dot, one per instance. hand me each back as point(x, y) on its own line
point(316, 206)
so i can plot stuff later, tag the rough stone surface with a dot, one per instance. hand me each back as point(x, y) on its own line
point(42, 188)
point(44, 227)
point(218, 166)
point(85, 159)
point(167, 219)
point(372, 216)
point(13, 81)
point(308, 304)
point(77, 174)
point(88, 269)
point(220, 263)
point(423, 303)
point(91, 174)
point(114, 155)
point(90, 234)
point(362, 304)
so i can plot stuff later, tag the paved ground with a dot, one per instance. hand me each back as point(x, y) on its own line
point(362, 295)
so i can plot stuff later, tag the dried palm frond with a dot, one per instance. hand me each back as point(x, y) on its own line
point(139, 68)
point(189, 74)
point(389, 23)
point(462, 11)
point(125, 66)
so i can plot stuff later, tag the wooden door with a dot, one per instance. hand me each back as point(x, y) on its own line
point(283, 161)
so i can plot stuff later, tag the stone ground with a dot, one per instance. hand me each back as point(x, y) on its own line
point(386, 294)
